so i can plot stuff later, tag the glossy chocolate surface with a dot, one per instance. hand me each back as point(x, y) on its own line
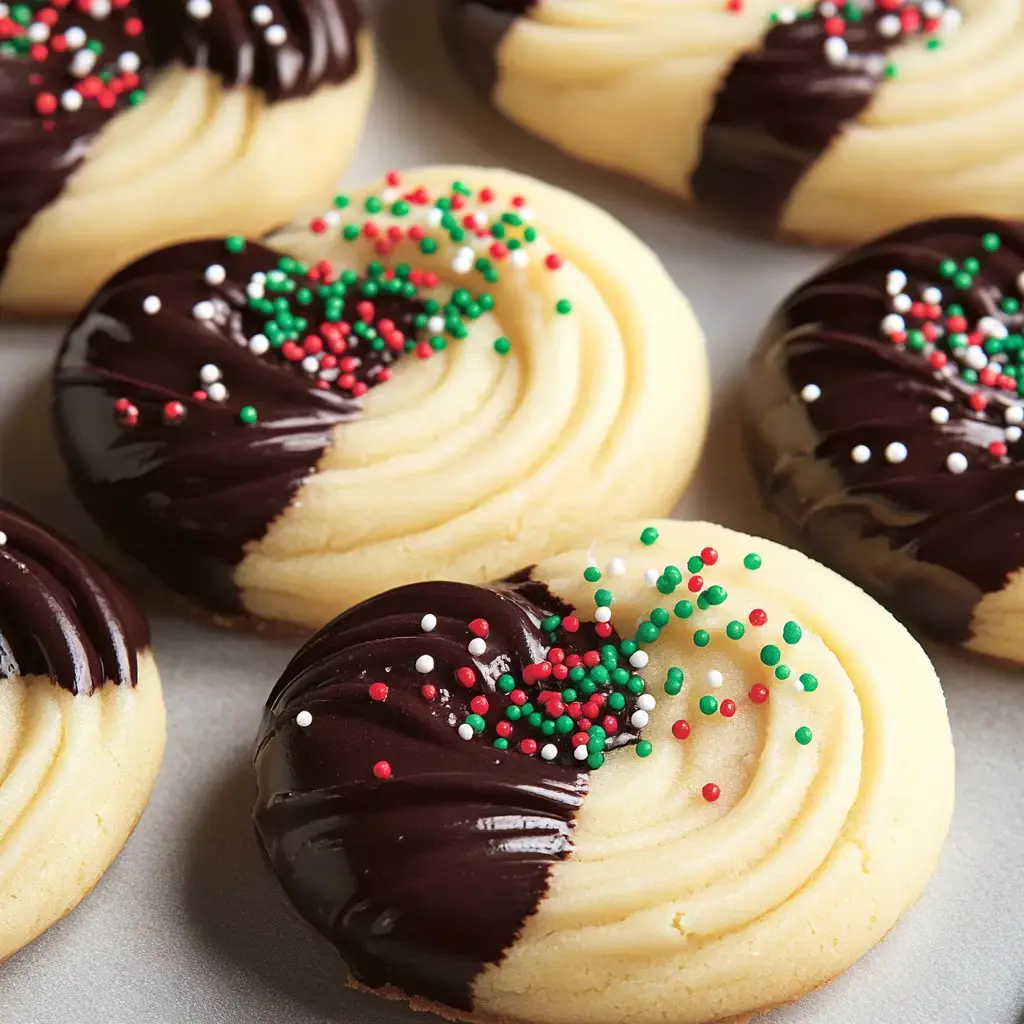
point(61, 615)
point(926, 540)
point(55, 98)
point(473, 31)
point(186, 495)
point(423, 879)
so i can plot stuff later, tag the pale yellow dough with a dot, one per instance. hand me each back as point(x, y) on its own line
point(671, 908)
point(629, 84)
point(471, 465)
point(194, 160)
point(75, 775)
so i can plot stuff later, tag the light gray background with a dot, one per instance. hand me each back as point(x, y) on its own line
point(188, 927)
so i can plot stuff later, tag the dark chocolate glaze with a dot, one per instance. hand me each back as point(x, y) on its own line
point(777, 112)
point(186, 497)
point(61, 615)
point(927, 542)
point(38, 153)
point(424, 879)
point(473, 31)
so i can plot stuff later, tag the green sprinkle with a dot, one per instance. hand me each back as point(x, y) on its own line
point(591, 574)
point(564, 724)
point(648, 535)
point(660, 617)
point(341, 202)
point(647, 633)
point(673, 574)
point(665, 585)
point(803, 735)
point(675, 673)
point(770, 654)
point(636, 685)
point(535, 719)
point(809, 682)
point(694, 563)
point(673, 687)
point(502, 346)
point(791, 632)
point(616, 701)
point(701, 638)
point(620, 676)
point(783, 671)
point(550, 623)
point(963, 280)
point(716, 595)
point(644, 748)
point(683, 609)
point(350, 232)
point(500, 743)
point(476, 723)
point(735, 630)
point(595, 760)
point(234, 244)
point(506, 683)
point(947, 268)
point(248, 415)
point(600, 675)
point(991, 242)
point(548, 727)
point(752, 561)
point(627, 647)
point(563, 307)
point(708, 704)
point(603, 598)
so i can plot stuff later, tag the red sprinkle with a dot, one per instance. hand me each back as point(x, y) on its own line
point(480, 627)
point(553, 261)
point(466, 676)
point(528, 746)
point(603, 630)
point(173, 412)
point(504, 728)
point(727, 708)
point(382, 770)
point(570, 624)
point(709, 556)
point(758, 617)
point(694, 584)
point(479, 705)
point(758, 693)
point(710, 792)
point(610, 724)
point(518, 697)
point(681, 729)
point(428, 691)
point(378, 691)
point(591, 658)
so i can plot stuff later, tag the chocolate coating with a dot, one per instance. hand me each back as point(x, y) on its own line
point(926, 541)
point(186, 496)
point(777, 112)
point(473, 31)
point(40, 151)
point(424, 879)
point(61, 615)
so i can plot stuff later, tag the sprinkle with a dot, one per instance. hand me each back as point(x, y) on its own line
point(956, 462)
point(803, 735)
point(792, 633)
point(639, 719)
point(708, 705)
point(860, 454)
point(378, 691)
point(477, 646)
point(275, 35)
point(616, 567)
point(809, 682)
point(681, 729)
point(151, 305)
point(424, 663)
point(727, 708)
point(261, 15)
point(810, 393)
point(757, 617)
point(710, 792)
point(752, 561)
point(382, 770)
point(648, 536)
point(758, 693)
point(303, 719)
point(199, 9)
point(940, 415)
point(651, 577)
point(1018, 495)
point(248, 415)
point(770, 655)
point(715, 678)
point(644, 748)
point(549, 752)
point(204, 310)
point(428, 623)
point(215, 274)
point(466, 731)
point(896, 452)
point(603, 614)
point(639, 659)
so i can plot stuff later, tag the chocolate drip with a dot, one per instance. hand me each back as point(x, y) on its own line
point(61, 615)
point(186, 495)
point(473, 31)
point(424, 879)
point(779, 109)
point(926, 541)
point(43, 141)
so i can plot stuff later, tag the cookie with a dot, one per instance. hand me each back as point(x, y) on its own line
point(825, 121)
point(81, 725)
point(672, 777)
point(882, 414)
point(133, 124)
point(447, 376)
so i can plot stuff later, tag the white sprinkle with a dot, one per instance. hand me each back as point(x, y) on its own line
point(976, 357)
point(519, 258)
point(895, 282)
point(259, 344)
point(424, 663)
point(38, 32)
point(715, 678)
point(932, 296)
point(810, 393)
point(275, 35)
point(1014, 414)
point(310, 364)
point(332, 218)
point(787, 15)
point(798, 686)
point(303, 719)
point(261, 14)
point(860, 453)
point(525, 212)
point(1019, 495)
point(75, 37)
point(896, 452)
point(71, 99)
point(836, 50)
point(217, 392)
point(1012, 434)
point(199, 9)
point(82, 63)
point(255, 290)
point(152, 305)
point(215, 274)
point(616, 567)
point(477, 646)
point(826, 9)
point(639, 719)
point(956, 462)
point(435, 324)
point(129, 62)
point(100, 9)
point(463, 261)
point(603, 614)
point(940, 414)
point(992, 328)
point(466, 731)
point(549, 751)
point(428, 623)
point(889, 26)
point(581, 752)
point(390, 195)
point(932, 8)
point(651, 577)
point(4, 11)
point(434, 216)
point(639, 659)
point(208, 373)
point(902, 303)
point(646, 702)
point(893, 324)
point(951, 19)
point(3, 538)
point(204, 311)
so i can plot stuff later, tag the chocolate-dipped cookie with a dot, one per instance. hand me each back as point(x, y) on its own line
point(632, 784)
point(882, 413)
point(81, 725)
point(129, 124)
point(445, 377)
point(831, 122)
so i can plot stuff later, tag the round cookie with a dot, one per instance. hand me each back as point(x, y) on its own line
point(724, 813)
point(81, 725)
point(882, 413)
point(134, 124)
point(789, 119)
point(540, 375)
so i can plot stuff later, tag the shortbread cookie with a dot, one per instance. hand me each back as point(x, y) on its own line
point(132, 124)
point(81, 725)
point(829, 121)
point(539, 376)
point(883, 414)
point(684, 775)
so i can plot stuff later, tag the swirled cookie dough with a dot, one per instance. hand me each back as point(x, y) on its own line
point(486, 370)
point(833, 124)
point(196, 118)
point(725, 812)
point(81, 726)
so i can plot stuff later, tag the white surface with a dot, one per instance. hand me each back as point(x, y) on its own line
point(189, 927)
